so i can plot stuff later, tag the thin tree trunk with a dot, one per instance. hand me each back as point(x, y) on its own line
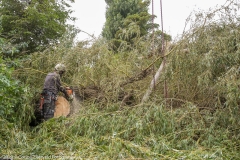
point(153, 82)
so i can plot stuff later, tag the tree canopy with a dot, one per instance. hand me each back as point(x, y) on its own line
point(29, 27)
point(126, 21)
point(124, 14)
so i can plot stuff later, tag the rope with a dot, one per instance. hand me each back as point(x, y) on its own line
point(153, 30)
point(153, 46)
point(153, 18)
point(152, 15)
point(163, 50)
point(162, 26)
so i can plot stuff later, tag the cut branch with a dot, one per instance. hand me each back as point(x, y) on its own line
point(138, 77)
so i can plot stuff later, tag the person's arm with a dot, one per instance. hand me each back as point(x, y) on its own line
point(61, 88)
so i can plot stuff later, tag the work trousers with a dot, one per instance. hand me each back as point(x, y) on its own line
point(48, 110)
point(48, 105)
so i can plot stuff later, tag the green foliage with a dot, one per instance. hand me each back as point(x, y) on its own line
point(117, 11)
point(14, 96)
point(32, 27)
point(199, 119)
point(126, 20)
point(142, 132)
point(209, 57)
point(128, 23)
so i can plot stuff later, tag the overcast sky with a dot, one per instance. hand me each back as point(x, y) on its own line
point(91, 14)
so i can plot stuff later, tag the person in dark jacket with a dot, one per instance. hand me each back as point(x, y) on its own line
point(51, 87)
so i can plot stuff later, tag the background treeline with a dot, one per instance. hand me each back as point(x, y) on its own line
point(199, 118)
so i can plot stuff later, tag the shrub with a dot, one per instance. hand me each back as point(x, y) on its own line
point(14, 106)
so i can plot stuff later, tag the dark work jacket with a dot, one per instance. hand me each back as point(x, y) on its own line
point(53, 83)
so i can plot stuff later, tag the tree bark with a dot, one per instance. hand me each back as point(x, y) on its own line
point(153, 82)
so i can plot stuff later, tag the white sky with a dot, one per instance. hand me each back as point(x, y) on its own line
point(91, 14)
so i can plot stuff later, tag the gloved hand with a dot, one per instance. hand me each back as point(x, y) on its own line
point(70, 98)
point(69, 93)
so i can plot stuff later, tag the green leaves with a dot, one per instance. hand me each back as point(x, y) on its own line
point(118, 11)
point(37, 24)
point(127, 22)
point(13, 97)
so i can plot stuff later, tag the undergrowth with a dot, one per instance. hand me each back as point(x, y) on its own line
point(149, 132)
